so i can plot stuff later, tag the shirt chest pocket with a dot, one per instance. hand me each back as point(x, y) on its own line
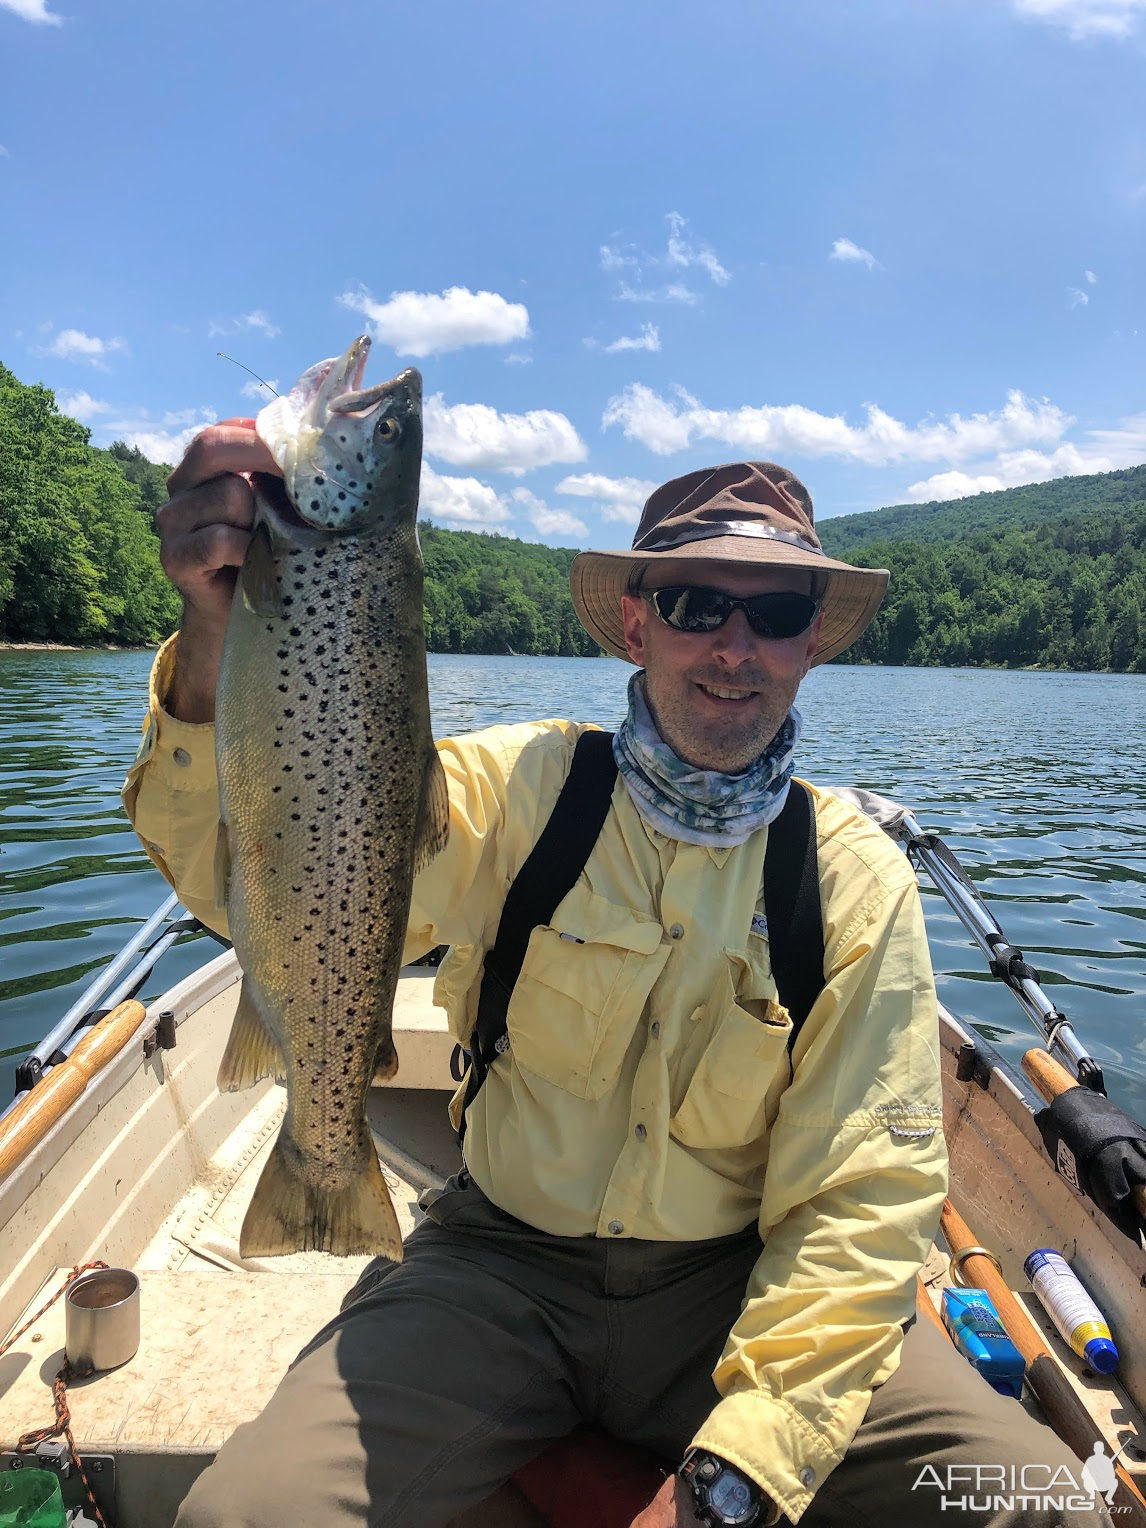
point(733, 1092)
point(581, 992)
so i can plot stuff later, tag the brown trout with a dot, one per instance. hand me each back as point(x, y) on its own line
point(332, 794)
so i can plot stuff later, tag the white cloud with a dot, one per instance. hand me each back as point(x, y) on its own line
point(648, 276)
point(75, 345)
point(1104, 451)
point(35, 11)
point(162, 440)
point(648, 339)
point(518, 358)
point(546, 521)
point(1091, 278)
point(4, 154)
point(844, 249)
point(426, 323)
point(617, 259)
point(81, 405)
point(673, 291)
point(257, 321)
point(777, 430)
point(1078, 298)
point(461, 501)
point(261, 392)
point(620, 499)
point(1085, 18)
point(681, 251)
point(476, 435)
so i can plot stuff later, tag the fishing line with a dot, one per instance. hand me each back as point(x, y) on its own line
point(254, 374)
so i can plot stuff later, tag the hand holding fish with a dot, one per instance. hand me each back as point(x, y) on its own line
point(204, 533)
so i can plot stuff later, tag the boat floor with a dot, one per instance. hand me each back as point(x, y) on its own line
point(218, 1332)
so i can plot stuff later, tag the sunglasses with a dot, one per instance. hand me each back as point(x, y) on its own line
point(778, 615)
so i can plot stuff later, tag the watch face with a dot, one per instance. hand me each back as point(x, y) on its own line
point(732, 1497)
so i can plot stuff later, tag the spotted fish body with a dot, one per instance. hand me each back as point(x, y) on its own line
point(332, 793)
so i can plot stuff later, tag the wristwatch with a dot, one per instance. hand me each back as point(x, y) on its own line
point(721, 1493)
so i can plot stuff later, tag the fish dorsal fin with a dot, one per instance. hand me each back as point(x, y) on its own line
point(222, 866)
point(433, 825)
point(252, 1052)
point(262, 591)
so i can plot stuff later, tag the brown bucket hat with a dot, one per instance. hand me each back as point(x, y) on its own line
point(745, 512)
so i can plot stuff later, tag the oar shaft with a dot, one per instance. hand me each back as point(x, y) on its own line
point(1064, 1410)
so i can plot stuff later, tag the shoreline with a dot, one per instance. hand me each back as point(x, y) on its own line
point(79, 647)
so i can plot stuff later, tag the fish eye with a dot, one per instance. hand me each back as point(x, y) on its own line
point(389, 429)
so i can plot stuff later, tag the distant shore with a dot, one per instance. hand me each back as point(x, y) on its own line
point(77, 647)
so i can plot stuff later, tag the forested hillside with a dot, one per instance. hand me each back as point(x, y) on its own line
point(79, 560)
point(954, 519)
point(1053, 574)
point(1068, 593)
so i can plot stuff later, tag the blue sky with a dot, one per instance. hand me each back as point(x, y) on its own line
point(897, 245)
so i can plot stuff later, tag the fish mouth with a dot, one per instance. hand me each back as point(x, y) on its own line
point(360, 400)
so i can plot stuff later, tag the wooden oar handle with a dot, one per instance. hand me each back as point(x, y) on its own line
point(29, 1122)
point(1048, 1075)
point(1051, 1079)
point(1064, 1410)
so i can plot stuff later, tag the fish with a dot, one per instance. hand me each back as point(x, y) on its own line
point(332, 794)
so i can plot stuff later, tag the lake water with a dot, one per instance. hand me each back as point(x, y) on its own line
point(1036, 780)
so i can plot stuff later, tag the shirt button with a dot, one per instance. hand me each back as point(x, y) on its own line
point(808, 1476)
point(656, 1029)
point(615, 1228)
point(181, 756)
point(677, 931)
point(640, 1132)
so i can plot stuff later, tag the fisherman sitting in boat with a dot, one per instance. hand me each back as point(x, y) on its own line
point(680, 1219)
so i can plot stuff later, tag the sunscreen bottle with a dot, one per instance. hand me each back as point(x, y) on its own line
point(1075, 1315)
point(973, 1322)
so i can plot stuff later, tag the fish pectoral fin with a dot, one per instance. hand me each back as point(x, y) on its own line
point(290, 1214)
point(222, 867)
point(433, 827)
point(252, 1052)
point(262, 591)
point(386, 1061)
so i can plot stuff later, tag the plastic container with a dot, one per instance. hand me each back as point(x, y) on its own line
point(31, 1499)
point(971, 1318)
point(1076, 1317)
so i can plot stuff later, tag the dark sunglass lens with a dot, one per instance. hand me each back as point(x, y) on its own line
point(688, 609)
point(781, 615)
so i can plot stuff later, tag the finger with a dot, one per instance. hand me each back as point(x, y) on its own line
point(195, 561)
point(218, 449)
point(225, 500)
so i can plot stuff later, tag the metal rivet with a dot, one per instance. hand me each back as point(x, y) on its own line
point(677, 931)
point(181, 757)
point(808, 1476)
point(656, 1028)
point(640, 1132)
point(615, 1228)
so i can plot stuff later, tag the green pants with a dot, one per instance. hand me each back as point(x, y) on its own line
point(446, 1373)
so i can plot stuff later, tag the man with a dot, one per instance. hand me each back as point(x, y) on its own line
point(672, 1223)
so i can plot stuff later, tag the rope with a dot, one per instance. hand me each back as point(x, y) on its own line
point(29, 1441)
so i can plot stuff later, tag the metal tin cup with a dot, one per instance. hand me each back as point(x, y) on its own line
point(101, 1322)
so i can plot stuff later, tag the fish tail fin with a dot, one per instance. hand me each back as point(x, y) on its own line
point(288, 1214)
point(252, 1052)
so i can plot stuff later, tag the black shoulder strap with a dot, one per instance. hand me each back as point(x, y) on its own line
point(791, 900)
point(792, 907)
point(557, 859)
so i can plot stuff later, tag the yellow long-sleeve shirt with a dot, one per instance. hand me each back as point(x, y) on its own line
point(647, 1091)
